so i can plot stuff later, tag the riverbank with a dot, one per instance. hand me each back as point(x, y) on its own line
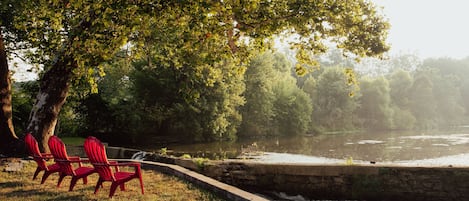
point(340, 179)
point(336, 180)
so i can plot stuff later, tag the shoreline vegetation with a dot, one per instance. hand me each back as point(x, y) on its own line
point(18, 185)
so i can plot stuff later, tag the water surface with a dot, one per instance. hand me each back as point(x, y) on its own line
point(435, 148)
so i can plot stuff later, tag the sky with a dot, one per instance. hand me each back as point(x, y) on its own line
point(428, 28)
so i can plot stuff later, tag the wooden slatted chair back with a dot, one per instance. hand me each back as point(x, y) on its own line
point(96, 152)
point(58, 150)
point(33, 149)
point(97, 156)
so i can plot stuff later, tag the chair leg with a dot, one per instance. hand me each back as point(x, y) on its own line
point(113, 189)
point(60, 179)
point(45, 176)
point(85, 180)
point(99, 184)
point(122, 186)
point(141, 184)
point(73, 183)
point(36, 172)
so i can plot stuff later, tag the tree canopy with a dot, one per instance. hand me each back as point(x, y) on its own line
point(92, 31)
point(72, 39)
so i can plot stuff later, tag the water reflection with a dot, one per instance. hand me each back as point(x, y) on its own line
point(365, 146)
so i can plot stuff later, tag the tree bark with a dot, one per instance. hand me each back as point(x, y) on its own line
point(52, 95)
point(8, 138)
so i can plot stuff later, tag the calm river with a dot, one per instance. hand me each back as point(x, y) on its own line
point(414, 148)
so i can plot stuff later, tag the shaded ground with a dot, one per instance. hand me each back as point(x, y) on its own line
point(15, 186)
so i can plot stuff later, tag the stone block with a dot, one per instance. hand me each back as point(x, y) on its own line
point(13, 166)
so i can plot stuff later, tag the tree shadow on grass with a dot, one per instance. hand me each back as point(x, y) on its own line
point(46, 195)
point(10, 184)
point(26, 193)
point(69, 197)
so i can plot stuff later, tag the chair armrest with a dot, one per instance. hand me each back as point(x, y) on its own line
point(116, 167)
point(41, 157)
point(74, 160)
point(126, 164)
point(77, 159)
point(110, 163)
point(47, 155)
point(80, 161)
point(129, 164)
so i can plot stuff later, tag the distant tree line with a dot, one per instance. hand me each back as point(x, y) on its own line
point(141, 102)
point(402, 93)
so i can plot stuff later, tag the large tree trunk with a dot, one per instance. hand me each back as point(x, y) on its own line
point(8, 139)
point(53, 91)
point(52, 94)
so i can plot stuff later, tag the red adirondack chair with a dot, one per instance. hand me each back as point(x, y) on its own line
point(57, 148)
point(97, 155)
point(40, 158)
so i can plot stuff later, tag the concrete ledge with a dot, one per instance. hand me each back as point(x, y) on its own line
point(224, 190)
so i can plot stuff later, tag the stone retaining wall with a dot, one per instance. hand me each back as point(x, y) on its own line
point(341, 182)
point(112, 152)
point(356, 182)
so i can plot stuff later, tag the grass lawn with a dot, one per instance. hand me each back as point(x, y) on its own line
point(16, 186)
point(76, 141)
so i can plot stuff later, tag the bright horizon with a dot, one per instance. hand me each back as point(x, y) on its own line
point(428, 28)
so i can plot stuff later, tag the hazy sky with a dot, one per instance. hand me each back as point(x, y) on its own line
point(428, 28)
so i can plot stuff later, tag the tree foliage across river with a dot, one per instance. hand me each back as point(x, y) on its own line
point(136, 104)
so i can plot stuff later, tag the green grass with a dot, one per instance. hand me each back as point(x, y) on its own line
point(75, 141)
point(15, 186)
